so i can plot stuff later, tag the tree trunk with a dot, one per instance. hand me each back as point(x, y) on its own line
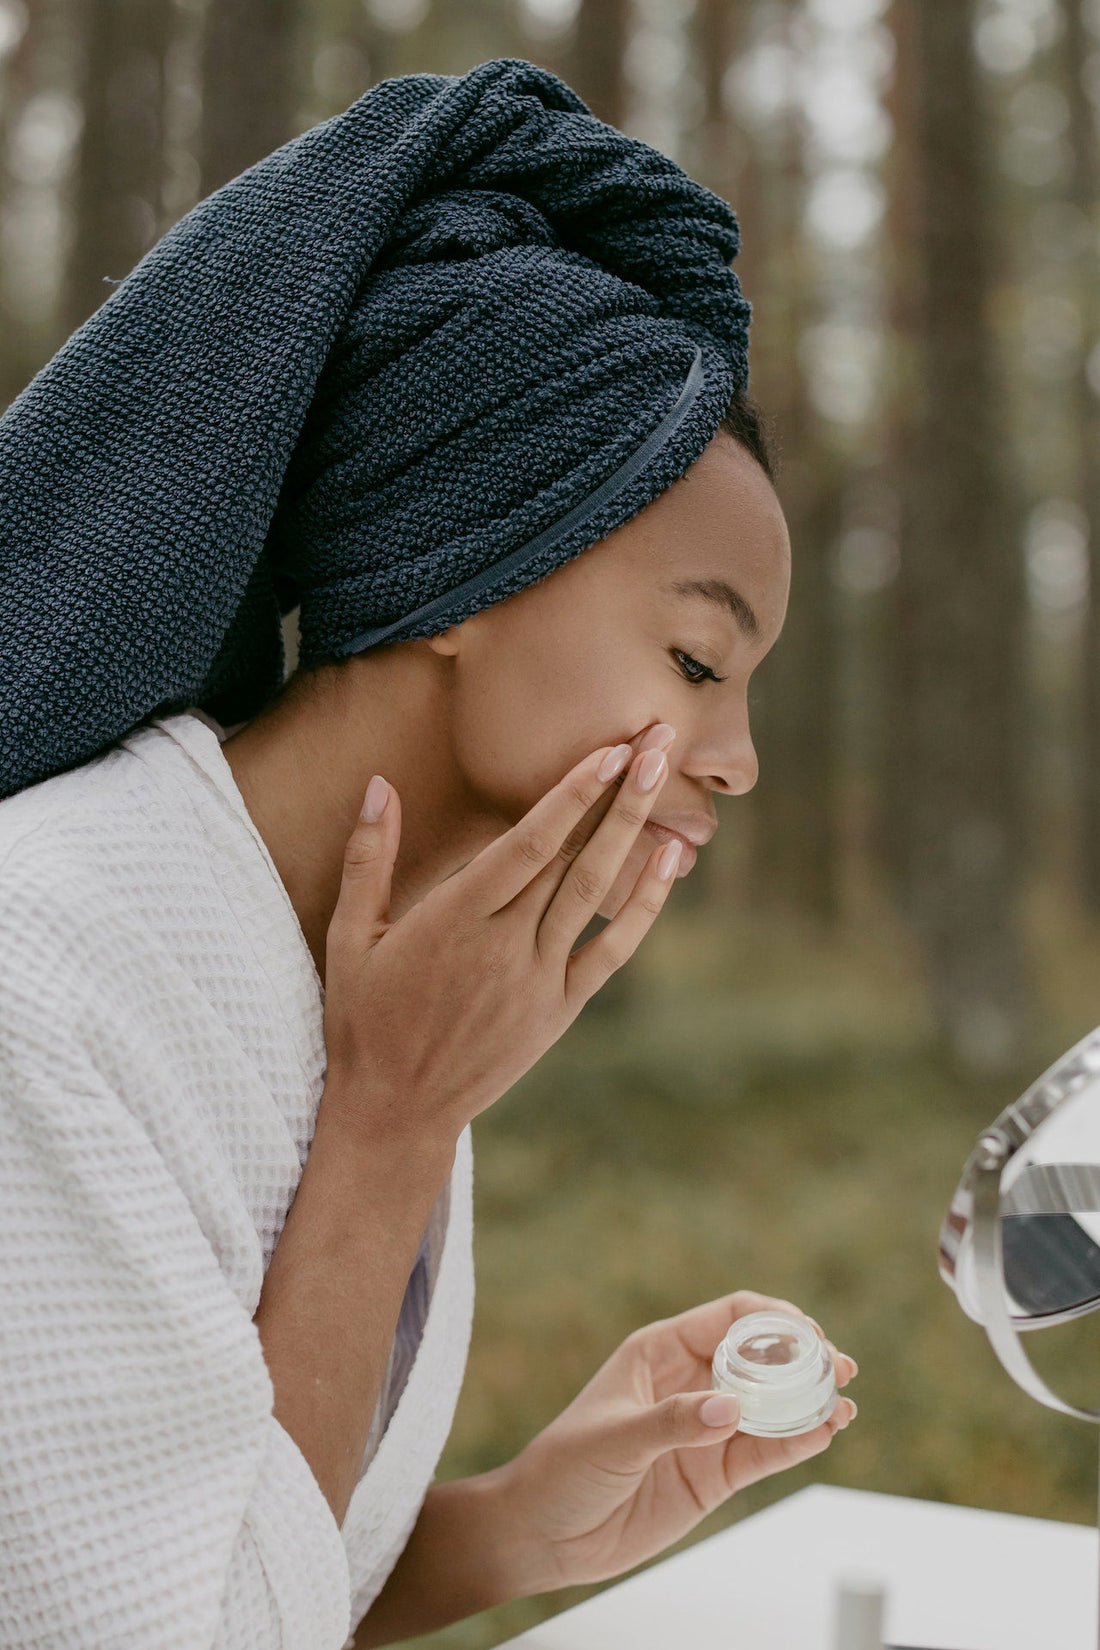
point(595, 68)
point(1077, 47)
point(249, 76)
point(20, 353)
point(117, 204)
point(959, 613)
point(794, 809)
point(719, 153)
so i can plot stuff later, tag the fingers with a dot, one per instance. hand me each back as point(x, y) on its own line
point(845, 1367)
point(684, 1421)
point(586, 881)
point(749, 1458)
point(552, 833)
point(363, 905)
point(503, 869)
point(591, 966)
point(843, 1415)
point(698, 1330)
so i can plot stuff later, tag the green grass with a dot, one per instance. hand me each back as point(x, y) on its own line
point(765, 1112)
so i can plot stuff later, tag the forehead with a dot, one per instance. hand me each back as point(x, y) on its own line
point(721, 520)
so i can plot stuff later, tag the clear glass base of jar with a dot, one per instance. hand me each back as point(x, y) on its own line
point(780, 1370)
point(785, 1429)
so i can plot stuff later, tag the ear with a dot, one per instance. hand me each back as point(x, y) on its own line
point(447, 642)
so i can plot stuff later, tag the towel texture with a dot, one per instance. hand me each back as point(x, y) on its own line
point(161, 1063)
point(384, 361)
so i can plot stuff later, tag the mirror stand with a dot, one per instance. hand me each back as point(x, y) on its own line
point(987, 1165)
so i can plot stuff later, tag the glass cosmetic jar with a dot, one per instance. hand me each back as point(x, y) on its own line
point(782, 1372)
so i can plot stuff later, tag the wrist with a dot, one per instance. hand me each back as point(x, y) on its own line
point(386, 1124)
point(526, 1552)
point(506, 1554)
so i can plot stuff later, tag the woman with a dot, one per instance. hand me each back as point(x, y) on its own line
point(396, 375)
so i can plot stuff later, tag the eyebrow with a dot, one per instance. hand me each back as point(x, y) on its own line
point(724, 596)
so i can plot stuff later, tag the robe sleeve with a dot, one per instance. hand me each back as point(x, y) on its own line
point(148, 1496)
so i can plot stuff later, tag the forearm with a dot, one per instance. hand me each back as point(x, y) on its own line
point(332, 1294)
point(465, 1554)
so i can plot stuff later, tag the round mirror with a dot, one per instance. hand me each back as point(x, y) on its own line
point(1020, 1245)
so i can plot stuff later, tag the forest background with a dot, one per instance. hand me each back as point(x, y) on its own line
point(901, 925)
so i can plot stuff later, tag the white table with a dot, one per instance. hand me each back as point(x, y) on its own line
point(956, 1578)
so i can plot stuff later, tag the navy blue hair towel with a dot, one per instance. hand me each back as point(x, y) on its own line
point(403, 367)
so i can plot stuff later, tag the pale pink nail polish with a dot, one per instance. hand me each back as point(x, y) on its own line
point(720, 1411)
point(614, 762)
point(668, 859)
point(650, 769)
point(658, 737)
point(374, 803)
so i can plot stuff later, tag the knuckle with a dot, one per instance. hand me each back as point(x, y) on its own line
point(360, 849)
point(573, 843)
point(497, 957)
point(587, 884)
point(650, 902)
point(577, 792)
point(534, 848)
point(633, 812)
point(358, 857)
point(496, 961)
point(673, 1418)
point(611, 956)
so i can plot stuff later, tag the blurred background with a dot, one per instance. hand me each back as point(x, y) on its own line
point(901, 925)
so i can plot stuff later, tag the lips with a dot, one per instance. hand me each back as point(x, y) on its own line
point(663, 833)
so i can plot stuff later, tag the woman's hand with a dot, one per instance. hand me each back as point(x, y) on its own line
point(627, 1469)
point(632, 1465)
point(431, 1018)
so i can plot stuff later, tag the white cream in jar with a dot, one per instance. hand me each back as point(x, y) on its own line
point(782, 1372)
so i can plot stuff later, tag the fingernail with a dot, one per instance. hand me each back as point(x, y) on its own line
point(614, 762)
point(720, 1411)
point(658, 737)
point(668, 859)
point(650, 769)
point(374, 803)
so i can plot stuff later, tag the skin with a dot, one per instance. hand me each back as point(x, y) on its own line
point(471, 728)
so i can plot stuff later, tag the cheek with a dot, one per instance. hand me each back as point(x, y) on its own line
point(527, 714)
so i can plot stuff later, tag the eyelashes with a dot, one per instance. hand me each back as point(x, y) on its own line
point(688, 665)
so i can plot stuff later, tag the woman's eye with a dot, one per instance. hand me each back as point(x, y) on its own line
point(692, 670)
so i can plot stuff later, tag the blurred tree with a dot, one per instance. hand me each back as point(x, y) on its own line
point(117, 198)
point(719, 152)
point(595, 67)
point(719, 149)
point(958, 610)
point(795, 723)
point(1079, 58)
point(19, 350)
point(249, 85)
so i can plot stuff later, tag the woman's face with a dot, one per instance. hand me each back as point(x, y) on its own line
point(631, 632)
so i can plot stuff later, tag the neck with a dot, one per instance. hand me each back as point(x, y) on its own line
point(303, 764)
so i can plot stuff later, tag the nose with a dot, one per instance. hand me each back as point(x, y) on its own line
point(740, 773)
point(724, 756)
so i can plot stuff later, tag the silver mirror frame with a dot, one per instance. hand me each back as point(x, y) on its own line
point(977, 1209)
